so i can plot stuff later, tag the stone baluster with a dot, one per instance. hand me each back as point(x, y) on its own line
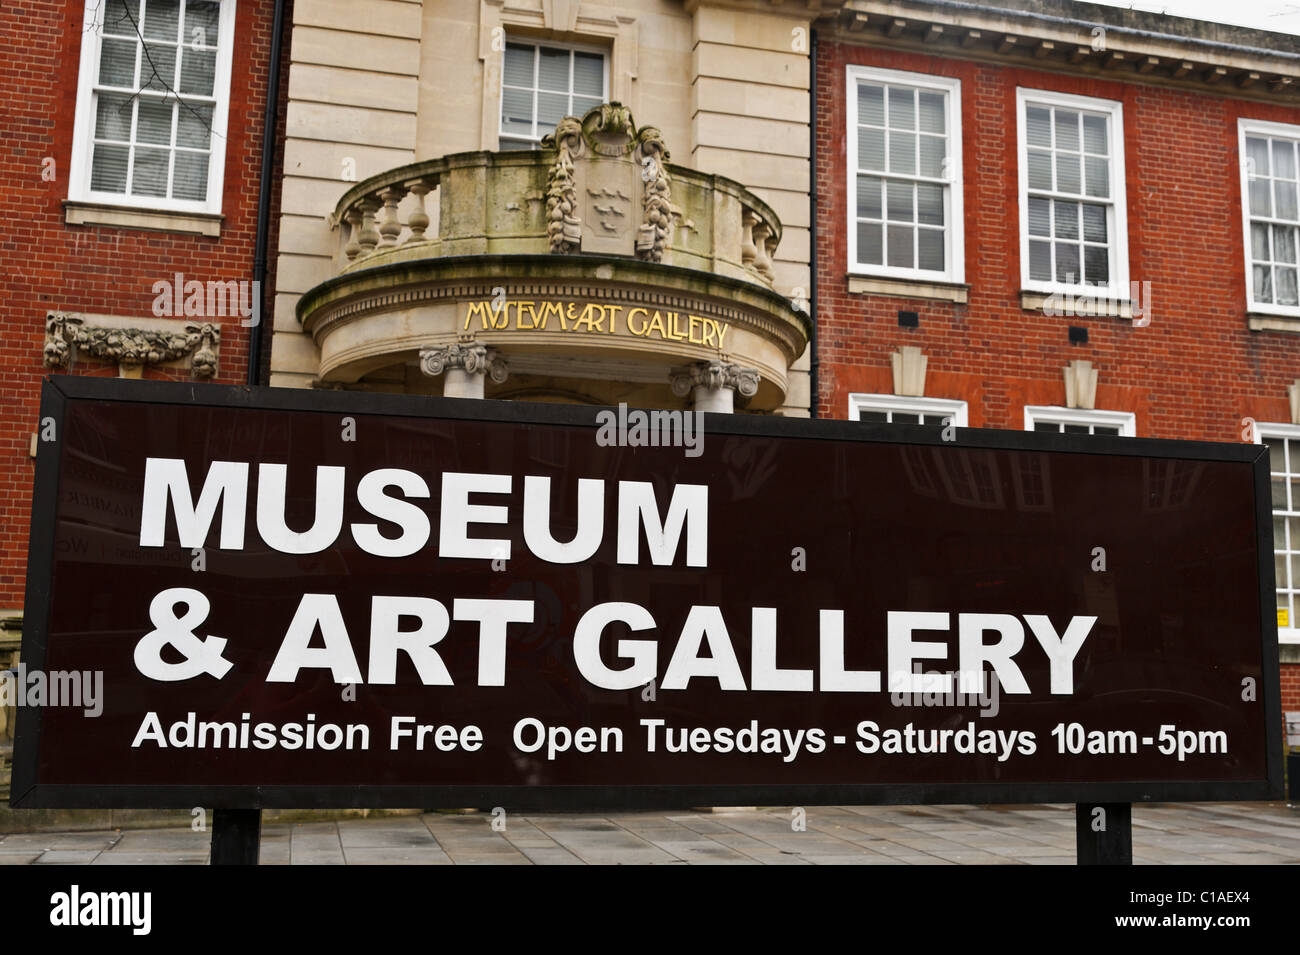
point(369, 237)
point(390, 228)
point(747, 250)
point(418, 220)
point(762, 261)
point(352, 248)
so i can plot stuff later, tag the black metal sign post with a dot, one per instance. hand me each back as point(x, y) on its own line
point(236, 836)
point(1103, 833)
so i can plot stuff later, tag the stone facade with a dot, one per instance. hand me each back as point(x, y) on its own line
point(380, 84)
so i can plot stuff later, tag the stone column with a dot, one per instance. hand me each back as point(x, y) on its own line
point(713, 384)
point(465, 366)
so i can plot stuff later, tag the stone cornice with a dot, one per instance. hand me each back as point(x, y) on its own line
point(1082, 38)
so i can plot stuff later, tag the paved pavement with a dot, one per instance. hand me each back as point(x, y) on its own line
point(1199, 833)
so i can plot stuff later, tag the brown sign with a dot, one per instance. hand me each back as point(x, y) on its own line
point(335, 599)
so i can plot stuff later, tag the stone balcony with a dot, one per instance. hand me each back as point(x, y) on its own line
point(592, 269)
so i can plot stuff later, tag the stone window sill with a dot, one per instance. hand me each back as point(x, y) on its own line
point(909, 288)
point(1269, 322)
point(128, 217)
point(1073, 307)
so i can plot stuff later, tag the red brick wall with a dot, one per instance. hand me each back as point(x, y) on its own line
point(1194, 372)
point(96, 269)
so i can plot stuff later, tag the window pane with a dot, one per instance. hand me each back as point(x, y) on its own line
point(117, 63)
point(121, 17)
point(902, 153)
point(517, 112)
point(149, 172)
point(870, 244)
point(1279, 494)
point(1276, 455)
point(201, 15)
point(113, 117)
point(933, 151)
point(162, 19)
point(1286, 287)
point(930, 111)
point(1279, 533)
point(1102, 429)
point(869, 189)
point(1286, 204)
point(1284, 243)
point(904, 417)
point(1096, 265)
point(1040, 170)
point(900, 201)
point(551, 108)
point(929, 249)
point(902, 108)
point(193, 126)
point(191, 176)
point(1067, 263)
point(1257, 153)
point(198, 71)
point(518, 70)
point(1067, 219)
point(871, 105)
point(1038, 126)
point(1075, 429)
point(877, 416)
point(929, 204)
point(1263, 283)
point(1040, 261)
point(589, 74)
point(1261, 198)
point(1094, 135)
point(154, 122)
point(108, 168)
point(1040, 216)
point(1259, 242)
point(1097, 177)
point(584, 104)
point(1047, 426)
point(871, 149)
point(1067, 173)
point(553, 70)
point(1067, 130)
point(1094, 223)
point(1283, 159)
point(158, 67)
point(900, 246)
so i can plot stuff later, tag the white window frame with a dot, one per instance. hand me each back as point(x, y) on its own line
point(1258, 127)
point(536, 44)
point(1116, 220)
point(954, 218)
point(83, 126)
point(1126, 421)
point(947, 407)
point(1264, 430)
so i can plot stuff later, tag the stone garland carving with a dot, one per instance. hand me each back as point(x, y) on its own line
point(471, 359)
point(658, 208)
point(715, 375)
point(563, 227)
point(131, 346)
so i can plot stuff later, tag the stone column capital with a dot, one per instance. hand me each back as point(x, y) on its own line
point(713, 375)
point(468, 357)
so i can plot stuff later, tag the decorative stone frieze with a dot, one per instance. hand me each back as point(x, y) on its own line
point(116, 340)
